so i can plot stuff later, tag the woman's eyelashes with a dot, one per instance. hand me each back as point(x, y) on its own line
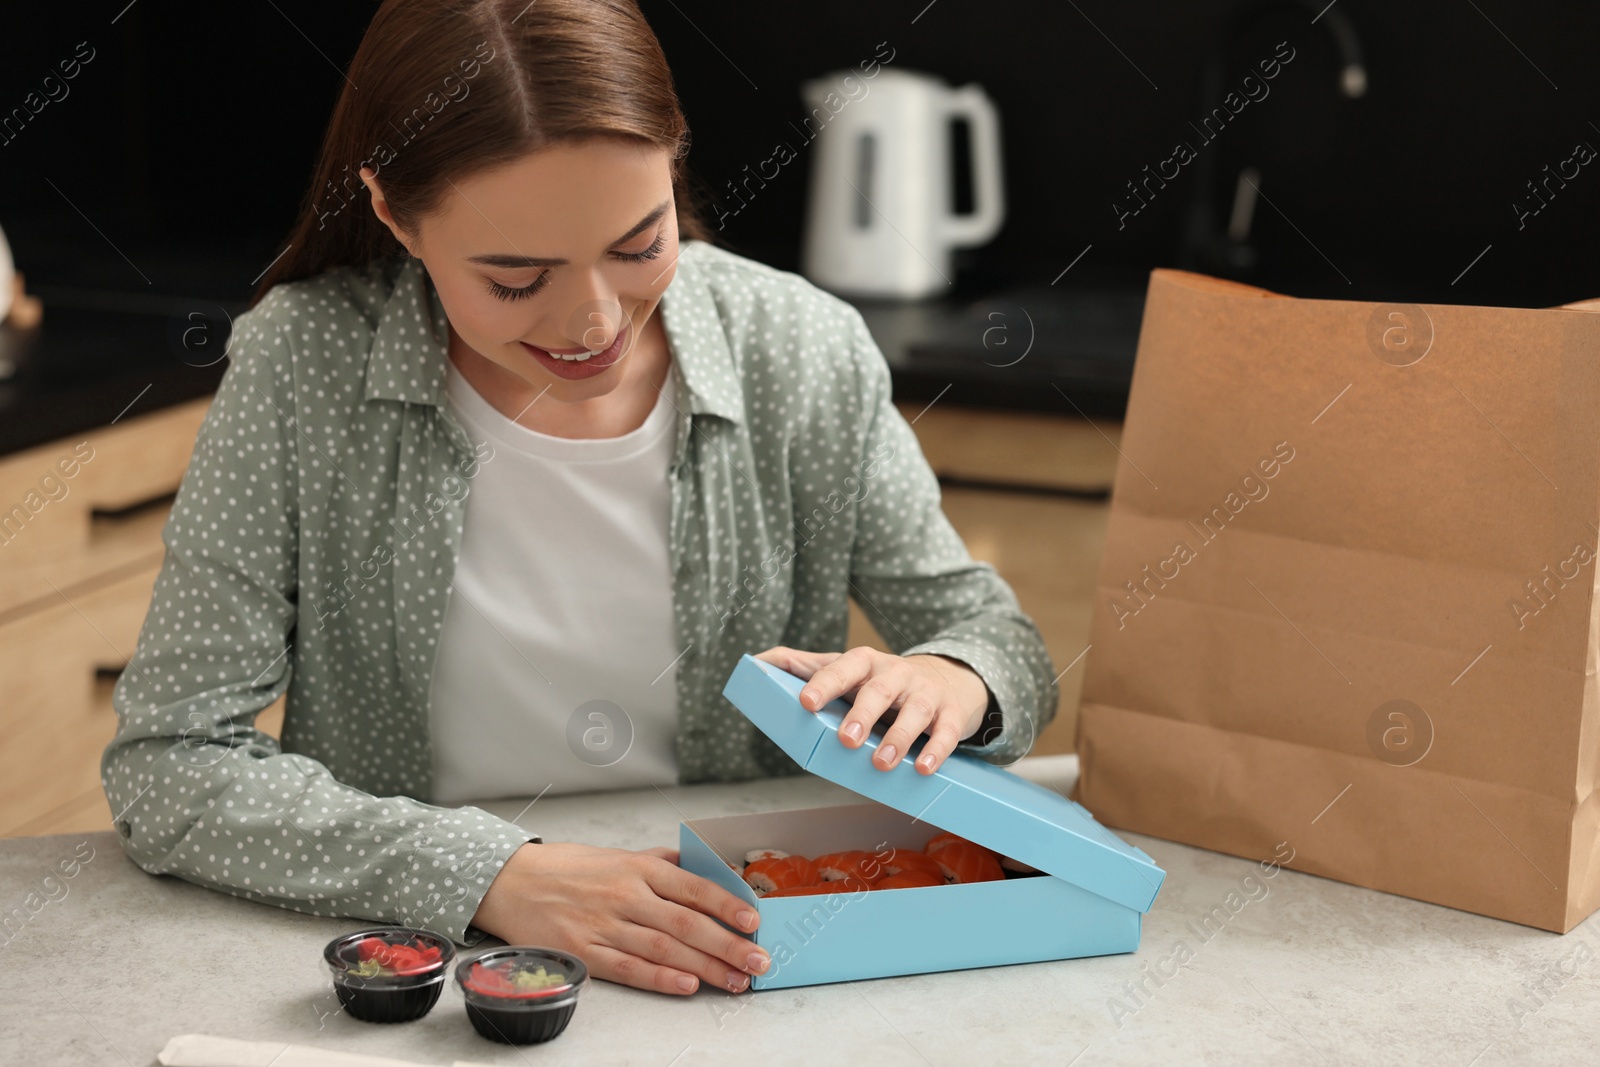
point(650, 253)
point(507, 292)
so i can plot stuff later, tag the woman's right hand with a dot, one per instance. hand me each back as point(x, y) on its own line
point(633, 917)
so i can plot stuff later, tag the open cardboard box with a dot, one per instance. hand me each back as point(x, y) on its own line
point(1088, 900)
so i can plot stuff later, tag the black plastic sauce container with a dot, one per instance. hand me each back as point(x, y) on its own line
point(521, 995)
point(389, 974)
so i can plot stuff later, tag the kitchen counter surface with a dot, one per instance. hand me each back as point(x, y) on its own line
point(115, 962)
point(101, 356)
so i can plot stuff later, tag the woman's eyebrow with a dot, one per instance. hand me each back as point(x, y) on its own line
point(500, 259)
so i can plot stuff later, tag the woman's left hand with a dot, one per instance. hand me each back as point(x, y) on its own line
point(936, 694)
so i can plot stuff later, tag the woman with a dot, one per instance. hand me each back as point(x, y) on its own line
point(676, 456)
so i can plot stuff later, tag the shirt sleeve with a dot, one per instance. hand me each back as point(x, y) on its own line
point(195, 789)
point(912, 576)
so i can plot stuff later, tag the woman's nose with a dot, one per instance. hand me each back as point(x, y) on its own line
point(594, 321)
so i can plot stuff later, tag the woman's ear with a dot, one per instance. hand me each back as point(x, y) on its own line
point(380, 206)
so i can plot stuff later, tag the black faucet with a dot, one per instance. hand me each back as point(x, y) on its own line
point(1226, 251)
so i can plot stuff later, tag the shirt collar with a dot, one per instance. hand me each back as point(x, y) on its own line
point(408, 358)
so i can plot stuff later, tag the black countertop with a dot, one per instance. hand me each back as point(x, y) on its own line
point(1030, 347)
point(101, 356)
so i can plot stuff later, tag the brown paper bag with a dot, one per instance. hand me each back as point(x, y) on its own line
point(1347, 609)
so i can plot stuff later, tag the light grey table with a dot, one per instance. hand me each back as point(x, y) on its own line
point(1308, 971)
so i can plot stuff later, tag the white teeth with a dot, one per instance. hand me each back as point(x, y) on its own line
point(580, 356)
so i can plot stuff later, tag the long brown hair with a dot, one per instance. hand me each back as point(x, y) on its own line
point(439, 89)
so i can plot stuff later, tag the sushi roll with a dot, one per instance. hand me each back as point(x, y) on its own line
point(905, 861)
point(855, 864)
point(940, 840)
point(818, 889)
point(763, 854)
point(966, 862)
point(779, 872)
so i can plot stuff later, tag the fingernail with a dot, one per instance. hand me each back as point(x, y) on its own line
point(747, 919)
point(757, 962)
point(925, 762)
point(886, 753)
point(736, 981)
point(686, 983)
point(808, 696)
point(852, 730)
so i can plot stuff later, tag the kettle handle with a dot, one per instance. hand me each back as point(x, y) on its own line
point(6, 268)
point(988, 191)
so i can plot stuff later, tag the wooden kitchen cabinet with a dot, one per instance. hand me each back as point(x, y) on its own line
point(1029, 493)
point(1024, 450)
point(1026, 492)
point(77, 564)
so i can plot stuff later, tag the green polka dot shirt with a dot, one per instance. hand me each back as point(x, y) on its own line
point(313, 539)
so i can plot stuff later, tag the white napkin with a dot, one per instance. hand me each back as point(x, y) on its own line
point(203, 1050)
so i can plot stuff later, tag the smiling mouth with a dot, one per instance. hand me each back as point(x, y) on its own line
point(578, 357)
point(591, 360)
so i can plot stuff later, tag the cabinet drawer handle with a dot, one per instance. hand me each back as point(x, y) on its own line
point(137, 508)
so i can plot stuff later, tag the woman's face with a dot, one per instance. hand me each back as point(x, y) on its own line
point(565, 251)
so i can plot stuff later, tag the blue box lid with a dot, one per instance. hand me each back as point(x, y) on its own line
point(978, 800)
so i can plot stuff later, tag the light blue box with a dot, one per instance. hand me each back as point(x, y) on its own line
point(1089, 902)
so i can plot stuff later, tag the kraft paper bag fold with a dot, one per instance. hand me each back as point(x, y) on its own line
point(1347, 605)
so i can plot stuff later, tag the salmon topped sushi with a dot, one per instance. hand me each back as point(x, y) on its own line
point(940, 840)
point(966, 862)
point(906, 861)
point(780, 872)
point(820, 888)
point(851, 864)
point(764, 854)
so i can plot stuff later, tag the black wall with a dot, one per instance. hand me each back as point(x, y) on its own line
point(186, 142)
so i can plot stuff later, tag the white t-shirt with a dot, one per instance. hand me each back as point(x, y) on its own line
point(557, 663)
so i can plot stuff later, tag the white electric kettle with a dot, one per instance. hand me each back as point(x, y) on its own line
point(879, 219)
